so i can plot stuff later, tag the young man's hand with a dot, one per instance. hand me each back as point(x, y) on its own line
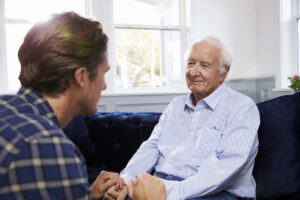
point(105, 181)
point(113, 194)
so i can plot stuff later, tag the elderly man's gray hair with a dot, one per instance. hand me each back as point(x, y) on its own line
point(225, 58)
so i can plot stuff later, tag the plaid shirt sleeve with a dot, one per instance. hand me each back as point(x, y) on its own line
point(46, 167)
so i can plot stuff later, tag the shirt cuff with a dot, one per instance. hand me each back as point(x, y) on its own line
point(172, 189)
point(127, 178)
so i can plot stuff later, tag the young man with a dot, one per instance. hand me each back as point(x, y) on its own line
point(63, 63)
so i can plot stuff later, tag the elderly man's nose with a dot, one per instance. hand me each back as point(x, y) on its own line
point(194, 71)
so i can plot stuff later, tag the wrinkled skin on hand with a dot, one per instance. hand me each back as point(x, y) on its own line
point(147, 187)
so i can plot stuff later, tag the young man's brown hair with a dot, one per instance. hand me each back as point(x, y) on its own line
point(54, 49)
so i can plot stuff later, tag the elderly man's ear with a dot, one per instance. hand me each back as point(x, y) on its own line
point(227, 69)
point(224, 74)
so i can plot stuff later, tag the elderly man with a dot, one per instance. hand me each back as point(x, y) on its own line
point(63, 63)
point(205, 143)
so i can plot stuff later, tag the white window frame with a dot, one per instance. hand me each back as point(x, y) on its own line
point(298, 45)
point(181, 28)
point(3, 65)
point(287, 43)
point(296, 15)
point(4, 83)
point(102, 10)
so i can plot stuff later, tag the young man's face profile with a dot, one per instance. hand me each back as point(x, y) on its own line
point(95, 87)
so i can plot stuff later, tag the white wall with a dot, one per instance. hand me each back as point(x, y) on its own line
point(268, 37)
point(261, 33)
point(276, 40)
point(234, 21)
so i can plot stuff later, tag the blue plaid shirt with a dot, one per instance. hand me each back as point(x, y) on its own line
point(37, 160)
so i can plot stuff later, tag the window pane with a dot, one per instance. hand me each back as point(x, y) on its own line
point(149, 12)
point(298, 49)
point(34, 10)
point(31, 10)
point(14, 37)
point(147, 58)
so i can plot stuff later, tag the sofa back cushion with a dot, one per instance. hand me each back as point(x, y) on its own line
point(277, 165)
point(117, 136)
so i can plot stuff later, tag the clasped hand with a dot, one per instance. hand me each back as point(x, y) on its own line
point(111, 186)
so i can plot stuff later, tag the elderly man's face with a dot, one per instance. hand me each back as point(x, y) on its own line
point(202, 70)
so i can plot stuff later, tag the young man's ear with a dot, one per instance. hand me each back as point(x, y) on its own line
point(80, 76)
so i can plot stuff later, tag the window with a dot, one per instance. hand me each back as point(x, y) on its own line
point(296, 14)
point(16, 18)
point(287, 41)
point(148, 40)
point(298, 44)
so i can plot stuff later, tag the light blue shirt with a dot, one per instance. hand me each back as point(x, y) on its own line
point(212, 146)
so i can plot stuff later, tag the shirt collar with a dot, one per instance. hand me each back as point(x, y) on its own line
point(38, 100)
point(211, 100)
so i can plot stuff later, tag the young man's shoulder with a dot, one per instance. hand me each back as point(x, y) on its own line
point(20, 119)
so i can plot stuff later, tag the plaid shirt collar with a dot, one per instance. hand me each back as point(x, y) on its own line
point(38, 101)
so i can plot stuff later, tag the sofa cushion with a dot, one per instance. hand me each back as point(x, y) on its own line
point(117, 136)
point(78, 132)
point(277, 165)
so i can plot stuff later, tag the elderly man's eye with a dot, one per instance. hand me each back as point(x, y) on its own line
point(205, 65)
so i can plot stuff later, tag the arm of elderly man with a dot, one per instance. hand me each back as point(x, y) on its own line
point(145, 184)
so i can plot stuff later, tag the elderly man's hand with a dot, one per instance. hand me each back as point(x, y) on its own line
point(104, 181)
point(113, 194)
point(147, 187)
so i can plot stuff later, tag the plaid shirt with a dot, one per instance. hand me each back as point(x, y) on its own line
point(37, 160)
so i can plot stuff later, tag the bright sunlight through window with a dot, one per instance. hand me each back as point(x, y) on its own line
point(147, 38)
point(19, 17)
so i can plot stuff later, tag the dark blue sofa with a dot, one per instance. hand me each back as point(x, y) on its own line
point(108, 140)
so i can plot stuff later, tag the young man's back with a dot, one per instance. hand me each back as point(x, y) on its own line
point(37, 160)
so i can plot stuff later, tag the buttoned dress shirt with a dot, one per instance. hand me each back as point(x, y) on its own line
point(37, 160)
point(212, 146)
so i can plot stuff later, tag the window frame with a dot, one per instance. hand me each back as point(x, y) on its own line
point(298, 44)
point(98, 9)
point(182, 30)
point(4, 83)
point(287, 43)
point(296, 19)
point(3, 62)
